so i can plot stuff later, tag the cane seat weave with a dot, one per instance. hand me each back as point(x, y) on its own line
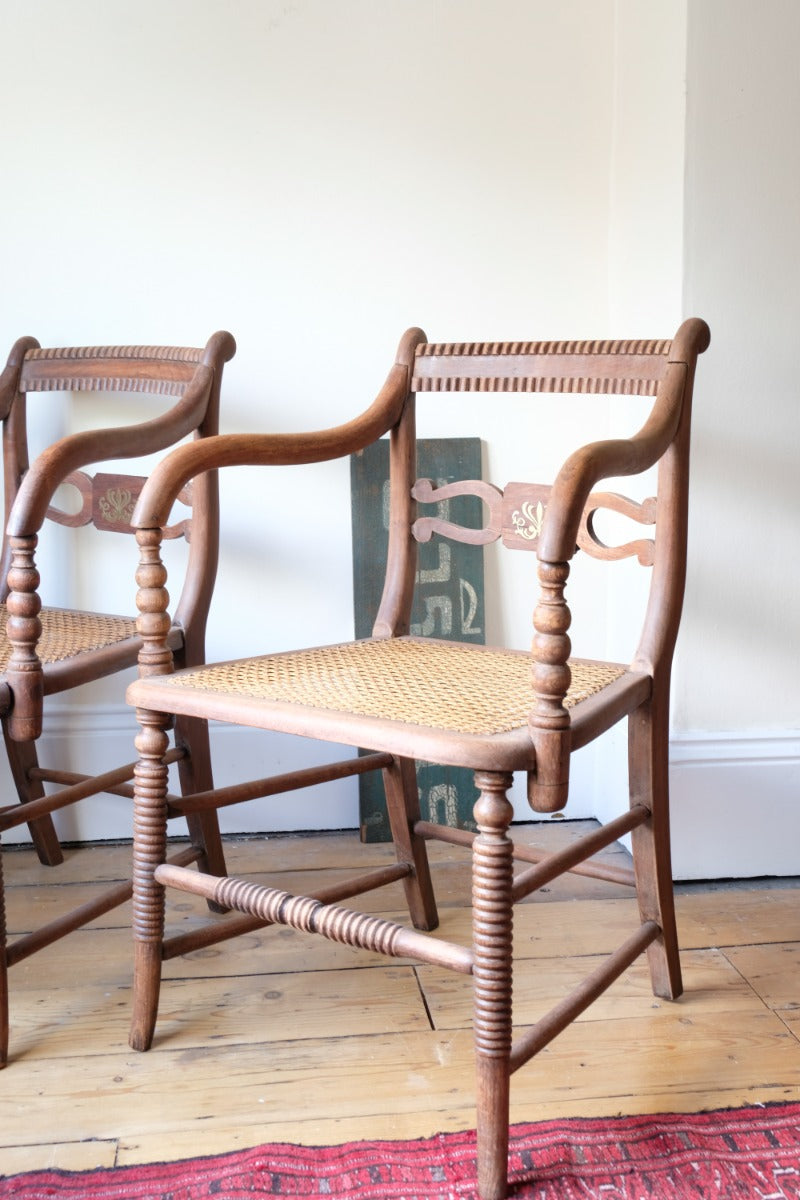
point(418, 681)
point(68, 632)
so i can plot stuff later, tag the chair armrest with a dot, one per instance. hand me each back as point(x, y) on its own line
point(586, 468)
point(228, 450)
point(597, 461)
point(550, 721)
point(284, 449)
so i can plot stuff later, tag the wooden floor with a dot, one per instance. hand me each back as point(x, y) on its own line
point(283, 1037)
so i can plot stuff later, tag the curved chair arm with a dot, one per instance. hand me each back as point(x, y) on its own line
point(229, 450)
point(597, 461)
point(280, 449)
point(549, 722)
point(588, 466)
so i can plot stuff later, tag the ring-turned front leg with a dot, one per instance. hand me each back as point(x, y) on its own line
point(149, 851)
point(492, 878)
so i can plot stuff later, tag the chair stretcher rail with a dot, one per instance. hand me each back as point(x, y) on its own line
point(530, 854)
point(233, 926)
point(31, 942)
point(257, 788)
point(181, 806)
point(310, 915)
point(593, 986)
point(80, 786)
point(555, 864)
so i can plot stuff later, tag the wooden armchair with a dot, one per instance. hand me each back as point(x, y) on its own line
point(48, 650)
point(403, 698)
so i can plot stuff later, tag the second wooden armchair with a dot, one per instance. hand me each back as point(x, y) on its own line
point(402, 698)
point(44, 651)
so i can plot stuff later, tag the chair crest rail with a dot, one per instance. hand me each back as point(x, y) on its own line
point(110, 368)
point(601, 367)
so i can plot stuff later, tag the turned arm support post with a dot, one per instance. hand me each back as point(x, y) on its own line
point(24, 671)
point(549, 723)
point(152, 599)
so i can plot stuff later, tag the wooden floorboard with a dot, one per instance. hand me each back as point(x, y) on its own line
point(283, 1037)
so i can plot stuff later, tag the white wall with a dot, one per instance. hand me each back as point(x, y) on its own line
point(737, 684)
point(318, 175)
point(743, 250)
point(315, 176)
point(645, 278)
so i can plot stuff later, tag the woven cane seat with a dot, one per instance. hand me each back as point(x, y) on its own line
point(443, 685)
point(67, 633)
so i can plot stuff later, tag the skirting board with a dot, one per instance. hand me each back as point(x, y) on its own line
point(735, 798)
point(735, 805)
point(84, 737)
point(99, 738)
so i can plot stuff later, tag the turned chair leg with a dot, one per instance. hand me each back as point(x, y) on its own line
point(402, 804)
point(149, 851)
point(22, 758)
point(648, 765)
point(492, 878)
point(194, 772)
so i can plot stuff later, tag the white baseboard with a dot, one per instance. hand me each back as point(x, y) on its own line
point(100, 737)
point(735, 803)
point(735, 797)
point(97, 738)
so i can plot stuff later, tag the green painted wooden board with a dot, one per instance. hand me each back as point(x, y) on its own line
point(448, 602)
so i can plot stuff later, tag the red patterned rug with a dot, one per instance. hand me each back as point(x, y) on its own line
point(747, 1152)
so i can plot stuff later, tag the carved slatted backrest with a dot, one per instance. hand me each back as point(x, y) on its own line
point(107, 500)
point(556, 519)
point(186, 384)
point(516, 513)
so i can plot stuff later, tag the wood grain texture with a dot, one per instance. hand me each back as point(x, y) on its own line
point(110, 369)
point(234, 1066)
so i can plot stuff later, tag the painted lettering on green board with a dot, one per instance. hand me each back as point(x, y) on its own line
point(448, 601)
